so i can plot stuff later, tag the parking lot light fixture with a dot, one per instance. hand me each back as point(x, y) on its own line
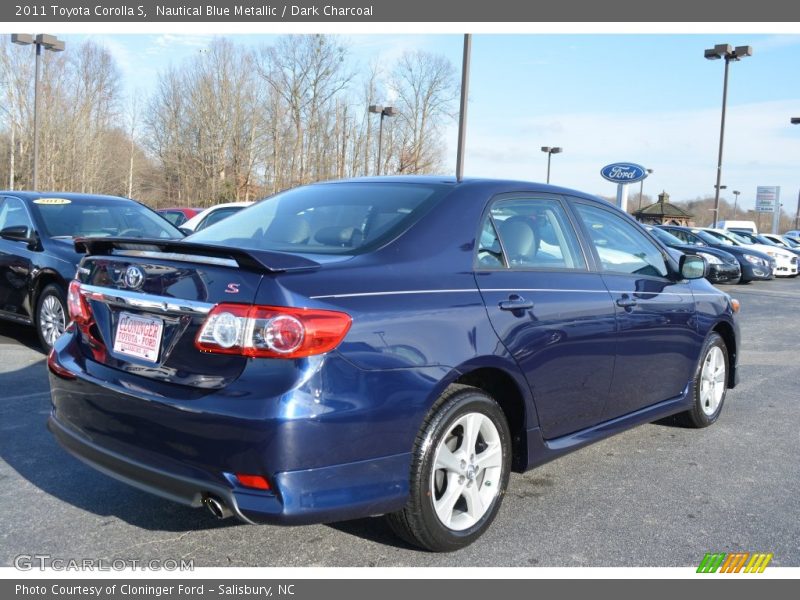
point(796, 121)
point(47, 42)
point(550, 150)
point(735, 201)
point(729, 53)
point(383, 111)
point(641, 186)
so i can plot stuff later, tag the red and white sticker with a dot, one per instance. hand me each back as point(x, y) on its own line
point(138, 336)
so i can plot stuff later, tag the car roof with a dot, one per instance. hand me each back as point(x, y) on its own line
point(72, 197)
point(465, 182)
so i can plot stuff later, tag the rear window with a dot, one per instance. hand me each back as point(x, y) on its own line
point(341, 218)
point(80, 218)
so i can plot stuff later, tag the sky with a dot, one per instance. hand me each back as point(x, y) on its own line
point(650, 99)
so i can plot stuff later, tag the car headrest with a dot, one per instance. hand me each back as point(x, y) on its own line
point(347, 237)
point(518, 238)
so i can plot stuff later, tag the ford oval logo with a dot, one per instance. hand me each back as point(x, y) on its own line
point(623, 172)
point(134, 277)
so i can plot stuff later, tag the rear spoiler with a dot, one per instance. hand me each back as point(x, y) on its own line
point(253, 260)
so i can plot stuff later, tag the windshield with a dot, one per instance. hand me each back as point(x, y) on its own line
point(747, 237)
point(665, 237)
point(760, 239)
point(727, 239)
point(339, 218)
point(710, 239)
point(98, 218)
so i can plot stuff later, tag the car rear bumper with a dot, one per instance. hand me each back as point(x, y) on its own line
point(343, 455)
point(321, 495)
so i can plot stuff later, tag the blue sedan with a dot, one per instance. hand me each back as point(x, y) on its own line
point(390, 346)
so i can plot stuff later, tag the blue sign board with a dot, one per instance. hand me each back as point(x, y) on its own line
point(623, 172)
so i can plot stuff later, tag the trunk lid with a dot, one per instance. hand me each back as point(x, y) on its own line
point(148, 301)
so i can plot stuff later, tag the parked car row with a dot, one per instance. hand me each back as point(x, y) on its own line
point(387, 346)
point(758, 257)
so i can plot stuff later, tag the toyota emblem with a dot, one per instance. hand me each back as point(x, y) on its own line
point(134, 277)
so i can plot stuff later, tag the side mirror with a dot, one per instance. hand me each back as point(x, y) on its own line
point(693, 267)
point(17, 233)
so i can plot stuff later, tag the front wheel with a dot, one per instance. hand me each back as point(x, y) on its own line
point(710, 384)
point(459, 472)
point(51, 315)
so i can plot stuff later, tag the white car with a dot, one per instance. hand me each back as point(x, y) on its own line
point(782, 240)
point(211, 215)
point(793, 234)
point(786, 261)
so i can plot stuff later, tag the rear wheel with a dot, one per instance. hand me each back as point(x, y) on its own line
point(459, 472)
point(51, 315)
point(710, 384)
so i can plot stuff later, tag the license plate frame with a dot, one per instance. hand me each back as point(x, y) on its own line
point(141, 337)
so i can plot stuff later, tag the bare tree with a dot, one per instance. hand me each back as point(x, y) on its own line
point(231, 123)
point(426, 90)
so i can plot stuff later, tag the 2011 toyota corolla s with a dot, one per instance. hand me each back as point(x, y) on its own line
point(390, 346)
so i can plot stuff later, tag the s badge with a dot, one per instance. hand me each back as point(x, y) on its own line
point(233, 288)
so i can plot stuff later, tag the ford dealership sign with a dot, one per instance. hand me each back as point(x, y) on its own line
point(623, 172)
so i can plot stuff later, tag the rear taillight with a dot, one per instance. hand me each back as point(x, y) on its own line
point(77, 305)
point(56, 368)
point(271, 331)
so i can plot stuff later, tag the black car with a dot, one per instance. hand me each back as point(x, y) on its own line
point(755, 265)
point(723, 267)
point(37, 253)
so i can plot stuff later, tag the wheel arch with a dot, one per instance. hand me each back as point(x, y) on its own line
point(507, 386)
point(44, 278)
point(726, 331)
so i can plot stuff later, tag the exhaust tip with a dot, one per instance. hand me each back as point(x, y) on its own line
point(216, 507)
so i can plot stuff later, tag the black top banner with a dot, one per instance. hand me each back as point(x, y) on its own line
point(461, 11)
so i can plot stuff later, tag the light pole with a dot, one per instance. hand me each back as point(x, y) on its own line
point(641, 186)
point(796, 121)
point(48, 42)
point(550, 151)
point(735, 201)
point(383, 111)
point(715, 210)
point(729, 53)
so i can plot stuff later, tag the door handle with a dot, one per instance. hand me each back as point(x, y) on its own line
point(626, 301)
point(515, 302)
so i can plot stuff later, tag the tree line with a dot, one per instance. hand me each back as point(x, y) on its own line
point(232, 123)
point(702, 207)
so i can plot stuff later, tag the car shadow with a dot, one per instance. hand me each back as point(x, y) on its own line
point(28, 448)
point(20, 334)
point(373, 529)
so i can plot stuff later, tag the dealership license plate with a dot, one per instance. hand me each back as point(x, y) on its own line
point(138, 336)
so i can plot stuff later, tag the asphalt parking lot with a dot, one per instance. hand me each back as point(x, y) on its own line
point(657, 495)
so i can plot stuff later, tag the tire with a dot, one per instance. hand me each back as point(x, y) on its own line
point(710, 384)
point(475, 473)
point(51, 315)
